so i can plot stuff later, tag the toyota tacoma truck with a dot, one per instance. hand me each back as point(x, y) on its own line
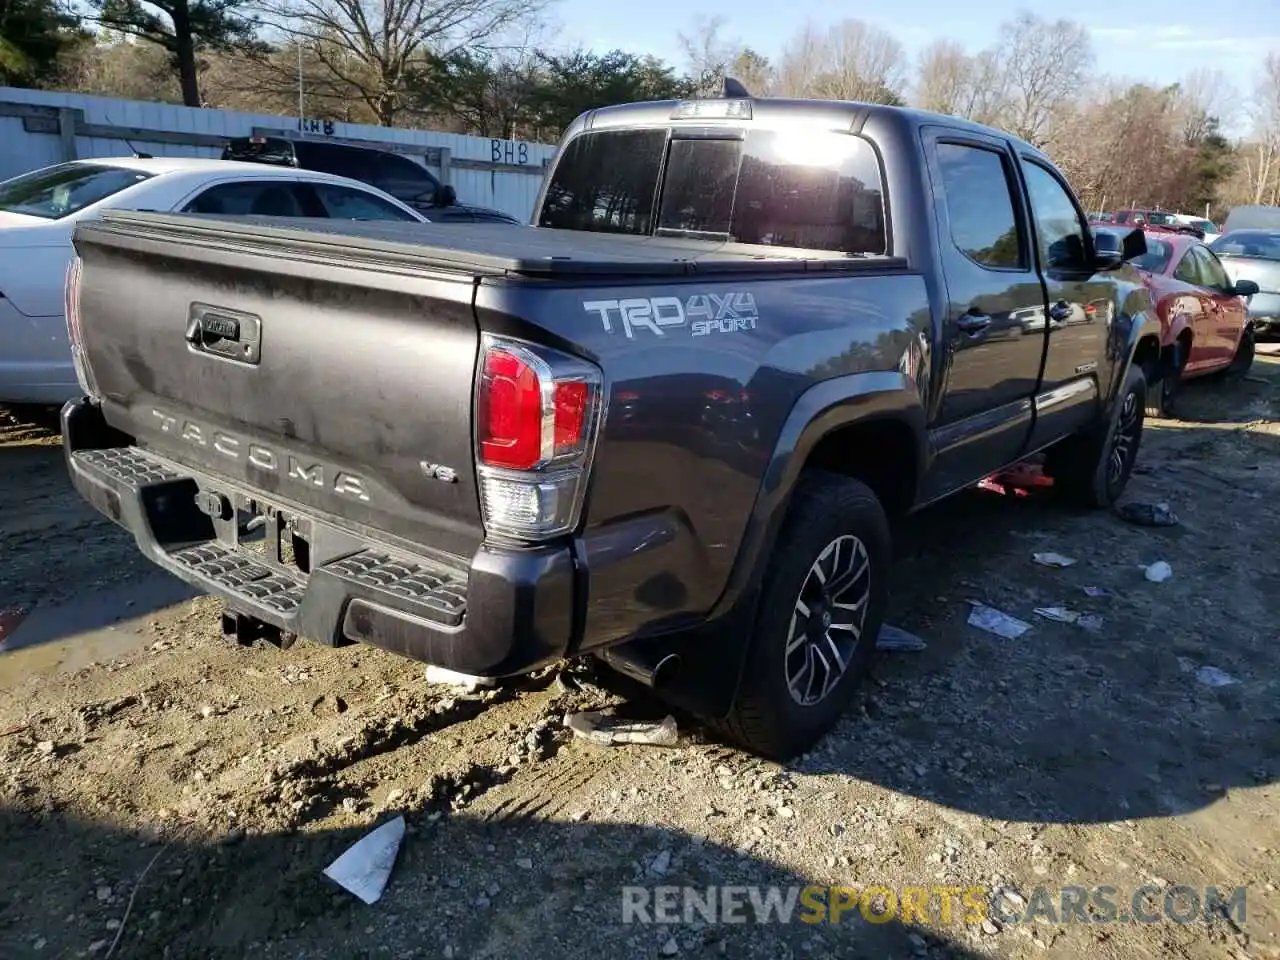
point(666, 425)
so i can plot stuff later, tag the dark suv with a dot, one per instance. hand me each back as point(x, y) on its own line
point(390, 172)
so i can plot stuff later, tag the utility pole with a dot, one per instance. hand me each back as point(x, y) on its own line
point(301, 113)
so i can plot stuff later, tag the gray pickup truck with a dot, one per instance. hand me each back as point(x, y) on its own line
point(667, 426)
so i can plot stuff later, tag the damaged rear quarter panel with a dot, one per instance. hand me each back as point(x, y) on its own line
point(700, 375)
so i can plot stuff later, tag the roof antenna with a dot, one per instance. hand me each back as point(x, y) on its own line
point(734, 89)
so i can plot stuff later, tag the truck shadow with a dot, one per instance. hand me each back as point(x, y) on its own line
point(1066, 724)
point(461, 887)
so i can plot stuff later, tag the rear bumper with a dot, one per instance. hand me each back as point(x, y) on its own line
point(505, 612)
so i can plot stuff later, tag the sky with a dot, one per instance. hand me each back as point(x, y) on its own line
point(1156, 42)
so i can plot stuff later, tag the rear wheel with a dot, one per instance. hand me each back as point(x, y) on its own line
point(1242, 362)
point(1162, 397)
point(1092, 468)
point(820, 611)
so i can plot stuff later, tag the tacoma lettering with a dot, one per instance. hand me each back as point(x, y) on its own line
point(263, 458)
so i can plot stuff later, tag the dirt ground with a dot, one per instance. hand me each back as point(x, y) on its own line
point(166, 794)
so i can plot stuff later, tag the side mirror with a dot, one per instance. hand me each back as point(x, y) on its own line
point(1108, 250)
point(1245, 288)
point(1134, 245)
point(446, 196)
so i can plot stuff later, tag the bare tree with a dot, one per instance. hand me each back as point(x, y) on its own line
point(849, 61)
point(1264, 153)
point(951, 81)
point(373, 46)
point(1206, 98)
point(1045, 66)
point(707, 54)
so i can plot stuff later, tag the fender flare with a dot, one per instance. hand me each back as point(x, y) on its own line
point(820, 410)
point(714, 654)
point(1140, 325)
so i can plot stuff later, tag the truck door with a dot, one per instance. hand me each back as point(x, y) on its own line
point(993, 328)
point(1076, 361)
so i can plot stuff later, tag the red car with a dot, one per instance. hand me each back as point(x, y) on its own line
point(1203, 315)
point(1155, 221)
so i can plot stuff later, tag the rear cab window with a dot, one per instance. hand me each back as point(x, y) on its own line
point(817, 191)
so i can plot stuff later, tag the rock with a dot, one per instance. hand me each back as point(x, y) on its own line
point(670, 948)
point(39, 944)
point(786, 813)
point(989, 927)
point(207, 711)
point(350, 804)
point(395, 796)
point(46, 747)
point(524, 863)
point(98, 946)
point(660, 864)
point(113, 924)
point(104, 894)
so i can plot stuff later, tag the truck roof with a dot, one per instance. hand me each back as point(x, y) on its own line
point(836, 113)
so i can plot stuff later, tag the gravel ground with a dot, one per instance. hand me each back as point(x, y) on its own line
point(166, 794)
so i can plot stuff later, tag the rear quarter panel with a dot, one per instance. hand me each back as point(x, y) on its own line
point(694, 412)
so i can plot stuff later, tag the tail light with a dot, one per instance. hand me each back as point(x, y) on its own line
point(537, 416)
point(71, 306)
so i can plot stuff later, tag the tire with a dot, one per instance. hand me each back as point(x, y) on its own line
point(838, 526)
point(1242, 362)
point(1162, 399)
point(1092, 469)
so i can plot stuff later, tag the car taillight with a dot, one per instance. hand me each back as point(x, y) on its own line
point(71, 306)
point(537, 415)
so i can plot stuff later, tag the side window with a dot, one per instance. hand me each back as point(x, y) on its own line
point(345, 203)
point(1188, 271)
point(392, 167)
point(1215, 275)
point(263, 198)
point(605, 182)
point(1060, 230)
point(336, 159)
point(975, 189)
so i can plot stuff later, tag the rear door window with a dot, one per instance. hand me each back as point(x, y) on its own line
point(977, 193)
point(346, 203)
point(261, 198)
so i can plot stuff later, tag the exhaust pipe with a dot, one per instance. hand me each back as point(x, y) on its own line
point(653, 669)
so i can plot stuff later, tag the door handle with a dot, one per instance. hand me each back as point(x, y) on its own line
point(973, 323)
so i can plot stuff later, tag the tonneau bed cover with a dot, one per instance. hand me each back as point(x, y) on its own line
point(483, 249)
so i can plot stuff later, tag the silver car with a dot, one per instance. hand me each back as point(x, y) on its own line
point(1255, 255)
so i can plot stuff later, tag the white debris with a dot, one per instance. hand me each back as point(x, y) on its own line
point(1158, 572)
point(994, 621)
point(1058, 614)
point(1213, 677)
point(598, 728)
point(366, 866)
point(451, 678)
point(1052, 560)
point(895, 638)
point(1096, 592)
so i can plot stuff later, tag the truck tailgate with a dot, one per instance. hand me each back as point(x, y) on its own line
point(335, 382)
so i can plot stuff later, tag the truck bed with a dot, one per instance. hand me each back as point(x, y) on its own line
point(483, 249)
